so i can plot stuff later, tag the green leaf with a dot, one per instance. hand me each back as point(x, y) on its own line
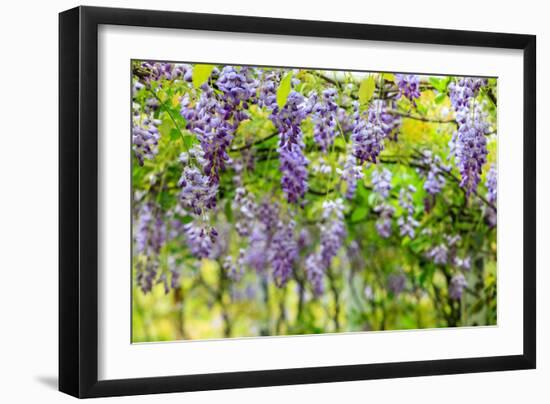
point(187, 219)
point(284, 90)
point(422, 109)
point(440, 98)
point(174, 134)
point(439, 84)
point(201, 73)
point(366, 89)
point(359, 213)
point(372, 198)
point(228, 211)
point(389, 77)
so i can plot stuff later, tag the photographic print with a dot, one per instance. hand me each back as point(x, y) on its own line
point(277, 201)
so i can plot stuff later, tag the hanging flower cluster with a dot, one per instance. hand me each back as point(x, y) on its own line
point(469, 143)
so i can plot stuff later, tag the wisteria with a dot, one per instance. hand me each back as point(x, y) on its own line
point(463, 263)
point(491, 185)
point(446, 253)
point(206, 118)
point(469, 143)
point(408, 85)
point(150, 236)
point(435, 179)
point(149, 72)
point(267, 90)
point(351, 174)
point(238, 86)
point(197, 192)
point(396, 283)
point(462, 91)
point(283, 252)
point(333, 230)
point(439, 254)
point(315, 273)
point(369, 132)
point(367, 136)
point(256, 254)
point(325, 119)
point(200, 239)
point(245, 210)
point(406, 222)
point(456, 287)
point(151, 231)
point(381, 182)
point(234, 267)
point(145, 135)
point(293, 163)
point(285, 201)
point(214, 119)
point(384, 222)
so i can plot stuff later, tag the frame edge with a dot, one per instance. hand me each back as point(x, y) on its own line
point(69, 81)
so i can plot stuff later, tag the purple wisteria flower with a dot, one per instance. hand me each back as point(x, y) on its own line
point(491, 184)
point(315, 273)
point(293, 166)
point(200, 239)
point(396, 283)
point(145, 135)
point(258, 244)
point(468, 143)
point(159, 71)
point(150, 233)
point(283, 253)
point(245, 208)
point(439, 254)
point(384, 221)
point(408, 85)
point(207, 119)
point(288, 119)
point(197, 192)
point(304, 239)
point(456, 286)
point(490, 216)
point(463, 263)
point(268, 214)
point(234, 268)
point(333, 230)
point(214, 118)
point(175, 272)
point(293, 163)
point(381, 182)
point(150, 236)
point(267, 90)
point(366, 138)
point(435, 181)
point(368, 134)
point(380, 116)
point(344, 120)
point(238, 85)
point(324, 119)
point(351, 174)
point(462, 91)
point(407, 224)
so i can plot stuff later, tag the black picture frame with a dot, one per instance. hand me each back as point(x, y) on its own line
point(78, 201)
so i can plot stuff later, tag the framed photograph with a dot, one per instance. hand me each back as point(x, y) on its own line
point(251, 201)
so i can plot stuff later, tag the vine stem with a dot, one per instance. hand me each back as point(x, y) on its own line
point(163, 104)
